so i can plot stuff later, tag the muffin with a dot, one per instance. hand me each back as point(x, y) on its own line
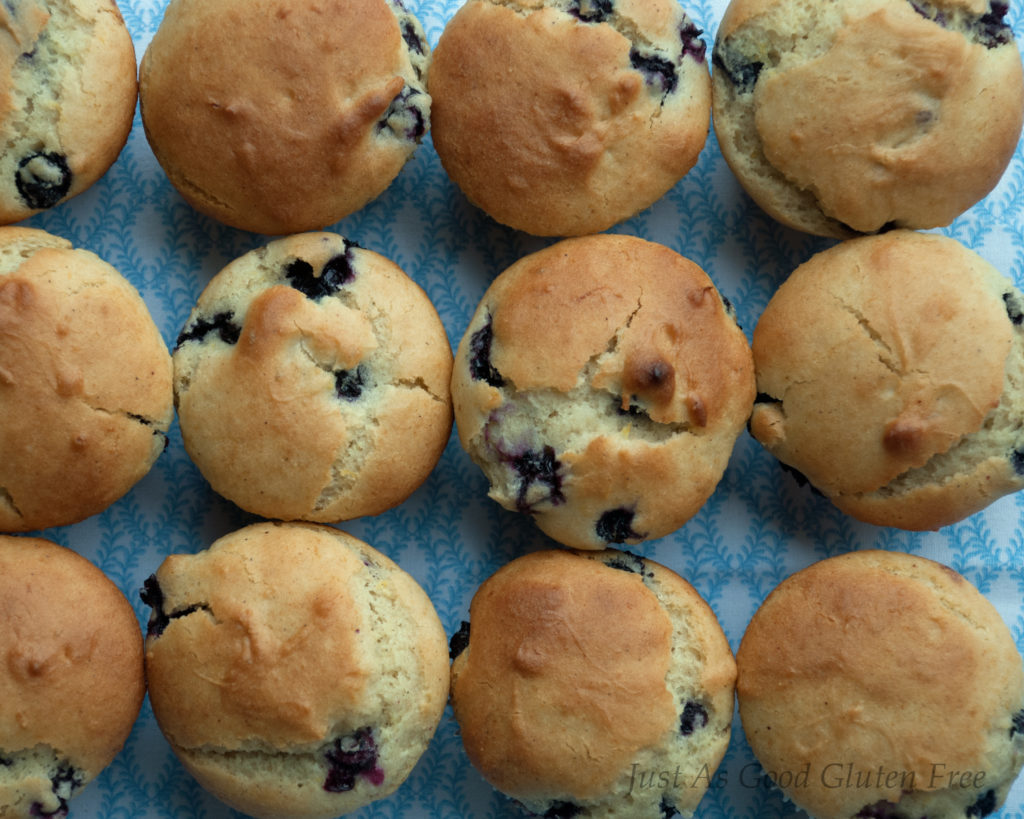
point(282, 118)
point(600, 386)
point(72, 678)
point(564, 117)
point(890, 372)
point(311, 381)
point(294, 670)
point(886, 686)
point(847, 117)
point(593, 684)
point(85, 383)
point(67, 98)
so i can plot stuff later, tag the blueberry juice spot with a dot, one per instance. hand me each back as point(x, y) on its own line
point(223, 324)
point(991, 28)
point(656, 70)
point(693, 45)
point(64, 783)
point(626, 562)
point(43, 179)
point(1017, 724)
point(349, 384)
point(459, 641)
point(694, 716)
point(405, 117)
point(153, 596)
point(591, 11)
point(535, 467)
point(616, 526)
point(351, 757)
point(335, 274)
point(742, 73)
point(480, 367)
point(412, 38)
point(1013, 309)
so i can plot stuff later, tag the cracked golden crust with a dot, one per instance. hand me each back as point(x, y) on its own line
point(554, 704)
point(918, 121)
point(77, 104)
point(264, 115)
point(71, 673)
point(544, 124)
point(879, 660)
point(294, 635)
point(85, 383)
point(262, 419)
point(880, 354)
point(594, 326)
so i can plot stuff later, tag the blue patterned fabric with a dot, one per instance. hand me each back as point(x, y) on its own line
point(757, 528)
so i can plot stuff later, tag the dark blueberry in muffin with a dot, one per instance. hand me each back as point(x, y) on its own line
point(459, 641)
point(693, 45)
point(349, 384)
point(404, 117)
point(480, 366)
point(337, 270)
point(591, 11)
point(694, 716)
point(1017, 724)
point(1013, 308)
point(223, 324)
point(655, 70)
point(742, 73)
point(336, 273)
point(991, 29)
point(43, 179)
point(626, 562)
point(537, 467)
point(153, 596)
point(412, 38)
point(880, 810)
point(350, 757)
point(667, 810)
point(984, 805)
point(562, 810)
point(616, 526)
point(64, 783)
point(1017, 462)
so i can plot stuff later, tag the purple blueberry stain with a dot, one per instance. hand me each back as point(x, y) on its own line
point(742, 72)
point(989, 29)
point(405, 116)
point(459, 641)
point(64, 784)
point(1017, 461)
point(43, 179)
point(222, 324)
point(984, 805)
point(352, 757)
point(881, 810)
point(412, 38)
point(626, 562)
point(1017, 723)
point(335, 274)
point(591, 11)
point(350, 384)
point(656, 70)
point(480, 366)
point(693, 46)
point(616, 526)
point(693, 718)
point(1014, 310)
point(153, 596)
point(533, 468)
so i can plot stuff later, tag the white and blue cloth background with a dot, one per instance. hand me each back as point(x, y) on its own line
point(758, 528)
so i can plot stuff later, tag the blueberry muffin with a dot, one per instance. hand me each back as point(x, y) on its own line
point(601, 385)
point(312, 381)
point(294, 670)
point(842, 117)
point(593, 684)
point(71, 682)
point(67, 97)
point(85, 383)
point(887, 686)
point(890, 372)
point(564, 117)
point(279, 117)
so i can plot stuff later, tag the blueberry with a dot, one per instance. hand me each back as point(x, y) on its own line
point(880, 810)
point(562, 810)
point(616, 526)
point(153, 596)
point(222, 323)
point(591, 11)
point(667, 810)
point(336, 273)
point(991, 28)
point(404, 116)
point(801, 479)
point(537, 467)
point(655, 69)
point(350, 757)
point(694, 716)
point(693, 45)
point(1018, 724)
point(1013, 308)
point(412, 38)
point(983, 805)
point(480, 366)
point(64, 783)
point(43, 179)
point(349, 384)
point(742, 73)
point(459, 641)
point(626, 562)
point(1017, 461)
